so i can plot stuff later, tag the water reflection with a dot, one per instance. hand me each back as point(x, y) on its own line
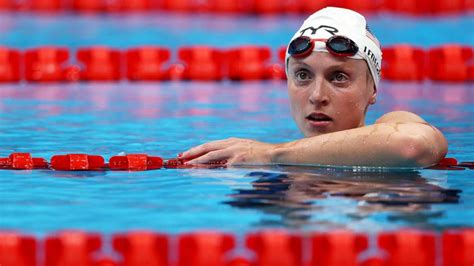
point(335, 197)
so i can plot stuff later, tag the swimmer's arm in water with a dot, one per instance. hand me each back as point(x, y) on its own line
point(397, 139)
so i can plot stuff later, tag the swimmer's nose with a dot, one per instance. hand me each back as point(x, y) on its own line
point(319, 93)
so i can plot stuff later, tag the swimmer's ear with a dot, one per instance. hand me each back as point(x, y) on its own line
point(373, 97)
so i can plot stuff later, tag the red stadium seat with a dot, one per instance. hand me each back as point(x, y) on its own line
point(17, 249)
point(337, 248)
point(142, 248)
point(46, 64)
point(450, 63)
point(72, 248)
point(403, 62)
point(249, 63)
point(458, 247)
point(408, 247)
point(9, 65)
point(100, 64)
point(204, 248)
point(276, 248)
point(146, 63)
point(201, 63)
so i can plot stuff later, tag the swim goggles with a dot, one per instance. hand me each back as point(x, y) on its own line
point(337, 45)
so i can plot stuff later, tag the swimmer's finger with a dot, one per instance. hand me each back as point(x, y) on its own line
point(211, 157)
point(203, 149)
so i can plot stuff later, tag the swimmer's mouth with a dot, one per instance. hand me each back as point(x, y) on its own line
point(318, 117)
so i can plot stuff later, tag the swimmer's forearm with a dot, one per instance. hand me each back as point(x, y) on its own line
point(385, 144)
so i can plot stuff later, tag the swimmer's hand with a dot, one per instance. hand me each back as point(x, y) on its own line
point(232, 151)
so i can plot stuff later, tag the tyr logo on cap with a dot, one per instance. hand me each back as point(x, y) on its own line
point(329, 29)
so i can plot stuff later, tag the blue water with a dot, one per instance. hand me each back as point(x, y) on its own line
point(167, 118)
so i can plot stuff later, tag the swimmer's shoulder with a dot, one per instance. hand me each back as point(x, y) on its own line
point(400, 117)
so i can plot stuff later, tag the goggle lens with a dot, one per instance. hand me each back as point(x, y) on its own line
point(341, 45)
point(337, 45)
point(300, 46)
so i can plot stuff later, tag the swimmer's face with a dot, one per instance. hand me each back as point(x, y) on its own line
point(329, 93)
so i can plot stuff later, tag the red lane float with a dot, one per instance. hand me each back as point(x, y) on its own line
point(359, 6)
point(135, 162)
point(130, 5)
point(276, 248)
point(22, 161)
point(201, 63)
point(283, 248)
point(142, 248)
point(106, 261)
point(17, 249)
point(100, 64)
point(337, 248)
point(469, 165)
point(6, 5)
point(309, 7)
point(403, 62)
point(277, 70)
point(227, 6)
point(77, 162)
point(409, 247)
point(179, 5)
point(408, 7)
point(204, 248)
point(9, 65)
point(458, 247)
point(71, 248)
point(450, 63)
point(248, 63)
point(44, 5)
point(265, 7)
point(146, 63)
point(444, 7)
point(141, 162)
point(88, 5)
point(46, 64)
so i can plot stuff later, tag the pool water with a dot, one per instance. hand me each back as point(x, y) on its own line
point(167, 118)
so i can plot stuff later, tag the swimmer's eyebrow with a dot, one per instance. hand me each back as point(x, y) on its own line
point(340, 64)
point(299, 63)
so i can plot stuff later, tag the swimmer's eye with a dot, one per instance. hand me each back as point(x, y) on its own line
point(302, 75)
point(339, 77)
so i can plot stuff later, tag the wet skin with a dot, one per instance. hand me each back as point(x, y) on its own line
point(328, 93)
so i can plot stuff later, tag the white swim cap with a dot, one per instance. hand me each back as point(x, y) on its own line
point(331, 21)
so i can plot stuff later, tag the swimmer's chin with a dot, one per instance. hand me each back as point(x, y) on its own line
point(314, 133)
